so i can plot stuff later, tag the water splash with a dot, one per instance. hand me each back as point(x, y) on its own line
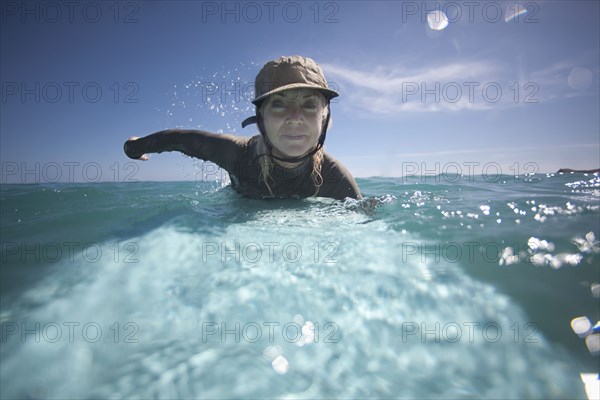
point(219, 99)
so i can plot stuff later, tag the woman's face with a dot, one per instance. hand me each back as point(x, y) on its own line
point(293, 120)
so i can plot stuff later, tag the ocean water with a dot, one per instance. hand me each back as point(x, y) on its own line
point(444, 287)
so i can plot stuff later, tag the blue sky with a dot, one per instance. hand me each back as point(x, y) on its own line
point(481, 95)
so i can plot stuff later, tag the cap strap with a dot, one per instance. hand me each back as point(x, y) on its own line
point(318, 147)
point(248, 121)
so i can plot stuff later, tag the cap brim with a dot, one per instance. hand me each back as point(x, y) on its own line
point(328, 93)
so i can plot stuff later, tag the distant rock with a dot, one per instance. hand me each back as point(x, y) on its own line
point(583, 171)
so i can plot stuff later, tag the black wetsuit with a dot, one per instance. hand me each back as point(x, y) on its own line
point(239, 157)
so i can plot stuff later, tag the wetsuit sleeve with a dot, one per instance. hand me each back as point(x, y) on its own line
point(221, 149)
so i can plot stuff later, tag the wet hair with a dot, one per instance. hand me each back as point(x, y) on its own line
point(266, 163)
point(266, 167)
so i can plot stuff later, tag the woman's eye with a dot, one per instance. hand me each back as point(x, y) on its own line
point(277, 104)
point(310, 105)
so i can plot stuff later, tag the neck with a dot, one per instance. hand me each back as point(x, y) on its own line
point(263, 149)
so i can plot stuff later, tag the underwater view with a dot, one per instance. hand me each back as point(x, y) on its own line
point(437, 287)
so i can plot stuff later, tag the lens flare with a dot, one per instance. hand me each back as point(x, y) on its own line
point(437, 20)
point(580, 78)
point(513, 11)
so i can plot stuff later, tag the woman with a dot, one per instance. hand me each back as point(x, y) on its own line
point(287, 158)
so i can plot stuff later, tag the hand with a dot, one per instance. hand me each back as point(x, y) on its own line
point(129, 146)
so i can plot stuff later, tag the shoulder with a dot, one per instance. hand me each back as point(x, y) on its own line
point(333, 167)
point(252, 142)
point(338, 181)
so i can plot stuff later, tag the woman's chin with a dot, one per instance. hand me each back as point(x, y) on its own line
point(293, 151)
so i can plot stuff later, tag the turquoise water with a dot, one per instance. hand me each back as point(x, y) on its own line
point(447, 287)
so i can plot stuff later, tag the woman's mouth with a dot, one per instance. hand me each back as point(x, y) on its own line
point(294, 137)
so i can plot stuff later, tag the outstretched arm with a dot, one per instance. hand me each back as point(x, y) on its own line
point(128, 148)
point(218, 148)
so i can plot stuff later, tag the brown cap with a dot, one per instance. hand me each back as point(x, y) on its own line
point(290, 73)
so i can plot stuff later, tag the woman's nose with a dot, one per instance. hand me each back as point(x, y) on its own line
point(294, 112)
